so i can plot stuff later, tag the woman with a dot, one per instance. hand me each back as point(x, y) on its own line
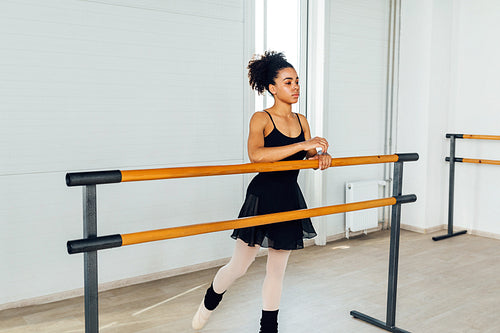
point(276, 134)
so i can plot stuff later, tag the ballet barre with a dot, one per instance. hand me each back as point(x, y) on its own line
point(118, 176)
point(451, 189)
point(91, 243)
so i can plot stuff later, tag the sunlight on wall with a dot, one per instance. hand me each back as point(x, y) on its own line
point(277, 28)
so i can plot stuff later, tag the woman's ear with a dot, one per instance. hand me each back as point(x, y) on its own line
point(272, 89)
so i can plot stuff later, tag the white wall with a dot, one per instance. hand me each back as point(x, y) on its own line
point(355, 96)
point(476, 104)
point(117, 84)
point(448, 83)
point(423, 60)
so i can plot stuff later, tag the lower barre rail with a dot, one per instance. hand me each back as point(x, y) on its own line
point(474, 160)
point(111, 241)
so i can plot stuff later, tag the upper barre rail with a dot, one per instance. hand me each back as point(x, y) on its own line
point(118, 176)
point(473, 136)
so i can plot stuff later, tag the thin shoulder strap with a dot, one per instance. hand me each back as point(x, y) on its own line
point(272, 118)
point(298, 118)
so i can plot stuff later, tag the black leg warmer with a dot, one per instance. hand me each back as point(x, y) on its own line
point(269, 322)
point(212, 299)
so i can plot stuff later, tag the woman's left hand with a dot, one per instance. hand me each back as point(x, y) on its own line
point(325, 160)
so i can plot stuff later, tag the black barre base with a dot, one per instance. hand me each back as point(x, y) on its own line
point(376, 322)
point(438, 238)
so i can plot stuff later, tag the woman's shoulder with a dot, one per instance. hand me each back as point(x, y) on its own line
point(259, 120)
point(262, 113)
point(303, 122)
point(260, 116)
point(301, 116)
point(303, 119)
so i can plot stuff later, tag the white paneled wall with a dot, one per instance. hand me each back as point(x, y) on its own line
point(449, 84)
point(476, 104)
point(355, 98)
point(122, 84)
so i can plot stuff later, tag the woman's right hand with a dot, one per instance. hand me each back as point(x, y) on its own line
point(316, 142)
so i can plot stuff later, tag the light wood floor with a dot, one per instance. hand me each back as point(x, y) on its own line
point(447, 286)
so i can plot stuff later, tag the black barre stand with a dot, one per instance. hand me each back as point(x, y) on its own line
point(91, 258)
point(451, 191)
point(390, 323)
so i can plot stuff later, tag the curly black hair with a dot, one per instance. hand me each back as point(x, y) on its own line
point(262, 70)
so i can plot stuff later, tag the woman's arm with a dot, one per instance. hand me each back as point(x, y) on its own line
point(307, 135)
point(258, 153)
point(325, 160)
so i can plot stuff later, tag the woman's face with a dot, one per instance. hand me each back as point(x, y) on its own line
point(286, 86)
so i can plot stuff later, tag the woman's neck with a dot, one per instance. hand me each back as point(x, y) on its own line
point(281, 109)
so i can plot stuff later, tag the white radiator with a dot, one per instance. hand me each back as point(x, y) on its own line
point(361, 220)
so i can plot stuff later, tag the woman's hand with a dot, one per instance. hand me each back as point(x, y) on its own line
point(316, 142)
point(325, 160)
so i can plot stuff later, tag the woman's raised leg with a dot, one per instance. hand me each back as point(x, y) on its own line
point(243, 257)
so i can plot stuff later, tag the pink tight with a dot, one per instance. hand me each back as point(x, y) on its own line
point(242, 258)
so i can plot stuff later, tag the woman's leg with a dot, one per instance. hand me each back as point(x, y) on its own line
point(275, 272)
point(243, 257)
point(271, 289)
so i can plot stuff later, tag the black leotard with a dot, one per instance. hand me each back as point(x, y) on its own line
point(273, 192)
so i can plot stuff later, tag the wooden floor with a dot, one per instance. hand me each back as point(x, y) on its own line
point(447, 286)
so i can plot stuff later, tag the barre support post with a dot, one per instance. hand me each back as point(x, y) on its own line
point(90, 260)
point(397, 190)
point(451, 191)
point(390, 323)
point(451, 185)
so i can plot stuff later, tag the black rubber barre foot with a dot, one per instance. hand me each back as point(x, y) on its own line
point(457, 159)
point(458, 136)
point(93, 177)
point(407, 157)
point(402, 199)
point(94, 244)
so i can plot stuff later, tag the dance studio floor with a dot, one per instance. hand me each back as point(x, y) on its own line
point(447, 286)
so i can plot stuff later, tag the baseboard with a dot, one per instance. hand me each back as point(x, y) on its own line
point(361, 232)
point(484, 234)
point(423, 230)
point(42, 299)
point(437, 228)
point(333, 238)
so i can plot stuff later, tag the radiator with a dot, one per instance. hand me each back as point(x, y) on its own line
point(361, 220)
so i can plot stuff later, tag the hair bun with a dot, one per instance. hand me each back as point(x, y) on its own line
point(262, 70)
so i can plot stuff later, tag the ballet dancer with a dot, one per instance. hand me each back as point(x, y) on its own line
point(276, 134)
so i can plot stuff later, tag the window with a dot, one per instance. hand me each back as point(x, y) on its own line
point(278, 27)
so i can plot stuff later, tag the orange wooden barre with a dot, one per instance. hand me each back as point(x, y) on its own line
point(198, 171)
point(480, 161)
point(196, 229)
point(481, 137)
